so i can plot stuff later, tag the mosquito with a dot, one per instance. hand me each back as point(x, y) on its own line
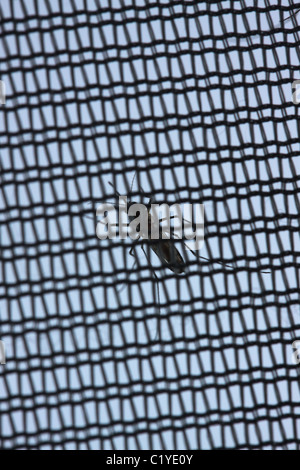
point(163, 247)
point(167, 253)
point(165, 250)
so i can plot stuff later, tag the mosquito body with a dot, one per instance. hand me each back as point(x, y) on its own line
point(162, 247)
point(169, 255)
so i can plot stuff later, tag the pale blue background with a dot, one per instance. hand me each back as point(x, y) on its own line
point(195, 367)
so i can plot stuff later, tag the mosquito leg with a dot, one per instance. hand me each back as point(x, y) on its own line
point(293, 14)
point(131, 252)
point(93, 217)
point(132, 248)
point(171, 217)
point(218, 262)
point(202, 257)
point(114, 188)
point(207, 259)
point(157, 336)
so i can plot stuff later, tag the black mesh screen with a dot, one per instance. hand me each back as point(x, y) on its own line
point(105, 350)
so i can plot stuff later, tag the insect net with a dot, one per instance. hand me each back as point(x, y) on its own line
point(105, 350)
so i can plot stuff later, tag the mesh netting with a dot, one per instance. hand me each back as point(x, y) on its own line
point(110, 351)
